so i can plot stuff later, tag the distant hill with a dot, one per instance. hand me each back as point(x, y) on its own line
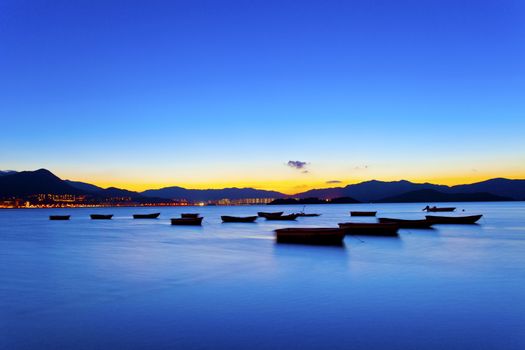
point(502, 187)
point(210, 194)
point(7, 172)
point(83, 186)
point(26, 183)
point(437, 196)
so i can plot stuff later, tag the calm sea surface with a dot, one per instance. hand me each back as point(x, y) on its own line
point(144, 284)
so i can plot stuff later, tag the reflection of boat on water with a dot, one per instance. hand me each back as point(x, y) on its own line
point(403, 223)
point(471, 219)
point(189, 215)
point(263, 214)
point(187, 221)
point(59, 217)
point(363, 213)
point(282, 217)
point(372, 229)
point(226, 218)
point(317, 236)
point(437, 209)
point(146, 216)
point(101, 216)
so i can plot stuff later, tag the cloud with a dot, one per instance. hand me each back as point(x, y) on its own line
point(363, 167)
point(333, 182)
point(297, 164)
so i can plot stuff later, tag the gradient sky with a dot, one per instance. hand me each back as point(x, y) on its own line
point(203, 94)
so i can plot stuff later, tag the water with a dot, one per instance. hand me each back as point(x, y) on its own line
point(138, 284)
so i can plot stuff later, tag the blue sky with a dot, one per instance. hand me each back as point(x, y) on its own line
point(144, 94)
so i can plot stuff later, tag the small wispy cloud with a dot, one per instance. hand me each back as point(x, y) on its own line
point(333, 182)
point(297, 164)
point(361, 167)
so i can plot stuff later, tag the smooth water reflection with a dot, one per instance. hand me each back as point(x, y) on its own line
point(138, 284)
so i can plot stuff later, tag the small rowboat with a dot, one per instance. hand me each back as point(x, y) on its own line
point(363, 213)
point(317, 236)
point(402, 223)
point(187, 221)
point(465, 220)
point(101, 217)
point(282, 217)
point(226, 218)
point(371, 229)
point(435, 209)
point(263, 214)
point(146, 216)
point(189, 215)
point(59, 217)
point(307, 215)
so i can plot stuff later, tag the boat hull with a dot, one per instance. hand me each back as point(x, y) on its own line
point(187, 221)
point(311, 236)
point(306, 215)
point(226, 218)
point(363, 213)
point(290, 217)
point(59, 217)
point(265, 214)
point(435, 209)
point(462, 220)
point(369, 229)
point(146, 216)
point(402, 223)
point(101, 217)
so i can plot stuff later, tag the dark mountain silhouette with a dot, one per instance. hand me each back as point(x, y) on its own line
point(502, 187)
point(211, 194)
point(7, 172)
point(27, 183)
point(425, 196)
point(83, 186)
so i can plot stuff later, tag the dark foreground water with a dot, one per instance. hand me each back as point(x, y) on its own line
point(131, 284)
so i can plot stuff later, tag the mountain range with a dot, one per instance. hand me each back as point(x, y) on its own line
point(26, 183)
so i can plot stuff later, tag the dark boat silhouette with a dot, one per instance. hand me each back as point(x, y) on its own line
point(189, 215)
point(363, 213)
point(146, 216)
point(471, 219)
point(263, 214)
point(403, 223)
point(316, 236)
point(282, 217)
point(101, 216)
point(438, 209)
point(372, 229)
point(187, 221)
point(226, 218)
point(59, 217)
point(302, 214)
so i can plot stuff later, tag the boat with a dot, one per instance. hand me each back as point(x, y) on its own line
point(363, 213)
point(372, 229)
point(101, 216)
point(471, 219)
point(189, 215)
point(187, 221)
point(59, 217)
point(226, 218)
point(282, 217)
point(317, 236)
point(403, 223)
point(307, 215)
point(263, 214)
point(435, 209)
point(146, 216)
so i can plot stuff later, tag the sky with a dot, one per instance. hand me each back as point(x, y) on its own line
point(283, 95)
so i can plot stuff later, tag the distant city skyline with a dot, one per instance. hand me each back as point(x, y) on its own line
point(226, 94)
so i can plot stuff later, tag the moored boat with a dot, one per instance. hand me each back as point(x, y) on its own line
point(363, 213)
point(307, 215)
point(438, 209)
point(372, 229)
point(187, 221)
point(316, 236)
point(146, 216)
point(189, 215)
point(226, 218)
point(59, 217)
point(263, 214)
point(403, 223)
point(282, 217)
point(465, 220)
point(101, 216)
